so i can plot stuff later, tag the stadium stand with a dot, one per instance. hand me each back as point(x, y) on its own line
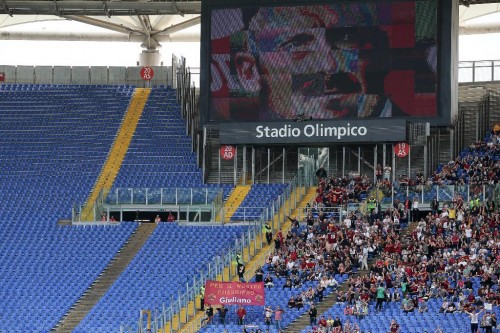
point(160, 156)
point(54, 141)
point(442, 271)
point(157, 273)
point(259, 197)
point(434, 274)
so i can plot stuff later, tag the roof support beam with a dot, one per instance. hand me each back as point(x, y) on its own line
point(102, 24)
point(480, 29)
point(95, 8)
point(178, 27)
point(94, 37)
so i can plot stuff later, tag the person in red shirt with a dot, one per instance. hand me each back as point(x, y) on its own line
point(170, 217)
point(322, 323)
point(394, 326)
point(241, 313)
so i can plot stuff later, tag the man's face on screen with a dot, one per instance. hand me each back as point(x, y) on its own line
point(306, 68)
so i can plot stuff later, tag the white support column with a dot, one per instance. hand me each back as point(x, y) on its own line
point(384, 154)
point(393, 166)
point(284, 165)
point(268, 165)
point(253, 165)
point(343, 161)
point(244, 180)
point(235, 166)
point(219, 166)
point(359, 160)
point(150, 58)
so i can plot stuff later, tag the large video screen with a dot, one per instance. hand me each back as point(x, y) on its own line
point(346, 60)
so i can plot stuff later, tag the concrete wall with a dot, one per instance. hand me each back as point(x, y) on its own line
point(85, 75)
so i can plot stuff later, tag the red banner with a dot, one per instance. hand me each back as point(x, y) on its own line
point(229, 293)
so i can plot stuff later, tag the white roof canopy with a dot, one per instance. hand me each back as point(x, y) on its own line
point(151, 23)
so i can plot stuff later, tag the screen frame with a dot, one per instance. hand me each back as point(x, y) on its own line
point(445, 42)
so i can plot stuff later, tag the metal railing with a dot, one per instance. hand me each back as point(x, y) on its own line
point(443, 193)
point(158, 197)
point(163, 196)
point(171, 313)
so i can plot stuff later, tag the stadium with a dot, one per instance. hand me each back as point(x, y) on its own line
point(325, 167)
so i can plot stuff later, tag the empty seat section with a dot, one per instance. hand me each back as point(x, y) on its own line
point(55, 139)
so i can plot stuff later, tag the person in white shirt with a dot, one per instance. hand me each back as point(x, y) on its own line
point(364, 258)
point(474, 319)
point(348, 222)
point(468, 234)
point(415, 210)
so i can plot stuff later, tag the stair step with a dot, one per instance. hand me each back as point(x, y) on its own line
point(101, 285)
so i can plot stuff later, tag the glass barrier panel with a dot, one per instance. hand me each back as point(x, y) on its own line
point(199, 196)
point(476, 191)
point(183, 196)
point(154, 196)
point(111, 198)
point(489, 192)
point(124, 196)
point(139, 196)
point(445, 193)
point(168, 196)
point(463, 191)
point(415, 192)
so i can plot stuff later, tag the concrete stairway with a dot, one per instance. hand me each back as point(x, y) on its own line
point(117, 152)
point(101, 285)
point(234, 201)
point(329, 300)
point(259, 258)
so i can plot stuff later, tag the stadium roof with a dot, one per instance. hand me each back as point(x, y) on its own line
point(153, 22)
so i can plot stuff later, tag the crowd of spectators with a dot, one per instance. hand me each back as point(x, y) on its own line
point(452, 254)
point(335, 191)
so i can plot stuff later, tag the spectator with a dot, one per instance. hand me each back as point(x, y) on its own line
point(323, 324)
point(434, 206)
point(337, 325)
point(380, 297)
point(222, 310)
point(202, 298)
point(422, 306)
point(474, 319)
point(209, 314)
point(268, 314)
point(269, 233)
point(259, 274)
point(487, 322)
point(394, 327)
point(241, 272)
point(313, 313)
point(268, 281)
point(278, 317)
point(241, 313)
point(170, 217)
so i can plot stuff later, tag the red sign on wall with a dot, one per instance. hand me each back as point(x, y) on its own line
point(227, 152)
point(401, 149)
point(218, 293)
point(2, 76)
point(147, 73)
